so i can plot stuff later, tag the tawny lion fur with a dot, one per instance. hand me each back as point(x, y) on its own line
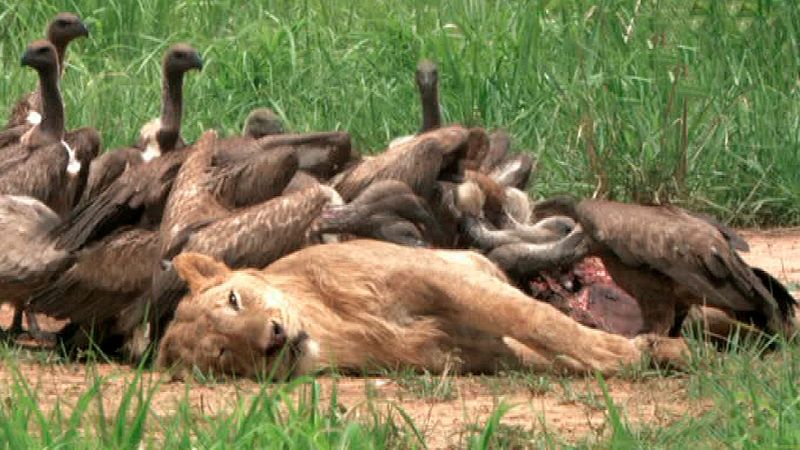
point(366, 305)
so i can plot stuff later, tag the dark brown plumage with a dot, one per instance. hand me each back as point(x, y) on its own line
point(417, 163)
point(64, 28)
point(190, 199)
point(243, 175)
point(321, 154)
point(249, 171)
point(137, 197)
point(301, 180)
point(260, 177)
point(514, 171)
point(384, 211)
point(106, 276)
point(45, 163)
point(120, 190)
point(499, 145)
point(669, 259)
point(29, 259)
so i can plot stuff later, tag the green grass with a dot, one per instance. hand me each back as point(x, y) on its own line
point(753, 401)
point(697, 101)
point(693, 100)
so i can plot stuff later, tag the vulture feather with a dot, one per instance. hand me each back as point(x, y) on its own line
point(64, 28)
point(664, 255)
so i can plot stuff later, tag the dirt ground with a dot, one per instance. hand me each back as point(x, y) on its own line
point(570, 408)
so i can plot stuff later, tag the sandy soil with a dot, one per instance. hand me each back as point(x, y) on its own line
point(572, 409)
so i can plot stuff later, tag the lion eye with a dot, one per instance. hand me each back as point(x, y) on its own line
point(233, 300)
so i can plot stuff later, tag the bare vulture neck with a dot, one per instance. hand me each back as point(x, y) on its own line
point(431, 116)
point(61, 51)
point(171, 110)
point(52, 123)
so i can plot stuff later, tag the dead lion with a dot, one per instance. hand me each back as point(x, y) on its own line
point(365, 305)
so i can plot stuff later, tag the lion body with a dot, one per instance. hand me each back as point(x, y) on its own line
point(367, 305)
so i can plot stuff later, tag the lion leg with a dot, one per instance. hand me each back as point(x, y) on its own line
point(492, 306)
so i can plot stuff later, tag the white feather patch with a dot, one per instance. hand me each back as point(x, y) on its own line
point(34, 118)
point(151, 152)
point(401, 140)
point(73, 166)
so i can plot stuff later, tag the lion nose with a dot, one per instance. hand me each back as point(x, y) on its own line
point(278, 334)
point(278, 340)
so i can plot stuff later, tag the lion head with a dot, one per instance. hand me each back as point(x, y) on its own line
point(232, 323)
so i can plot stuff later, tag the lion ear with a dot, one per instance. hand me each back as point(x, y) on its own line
point(198, 270)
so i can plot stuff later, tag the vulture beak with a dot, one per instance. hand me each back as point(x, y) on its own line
point(197, 62)
point(83, 30)
point(26, 58)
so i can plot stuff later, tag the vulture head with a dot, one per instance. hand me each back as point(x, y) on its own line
point(64, 28)
point(181, 58)
point(40, 55)
point(427, 75)
point(262, 122)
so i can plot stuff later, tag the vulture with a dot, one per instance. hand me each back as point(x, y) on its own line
point(101, 299)
point(105, 277)
point(511, 171)
point(387, 210)
point(64, 28)
point(321, 154)
point(262, 122)
point(47, 163)
point(487, 154)
point(156, 137)
point(669, 259)
point(428, 86)
point(418, 162)
point(519, 248)
point(29, 259)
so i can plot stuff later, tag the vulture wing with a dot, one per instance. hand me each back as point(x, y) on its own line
point(42, 174)
point(140, 189)
point(106, 168)
point(256, 179)
point(416, 165)
point(107, 277)
point(28, 257)
point(689, 250)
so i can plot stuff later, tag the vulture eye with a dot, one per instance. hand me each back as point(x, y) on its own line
point(233, 300)
point(180, 55)
point(62, 22)
point(42, 50)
